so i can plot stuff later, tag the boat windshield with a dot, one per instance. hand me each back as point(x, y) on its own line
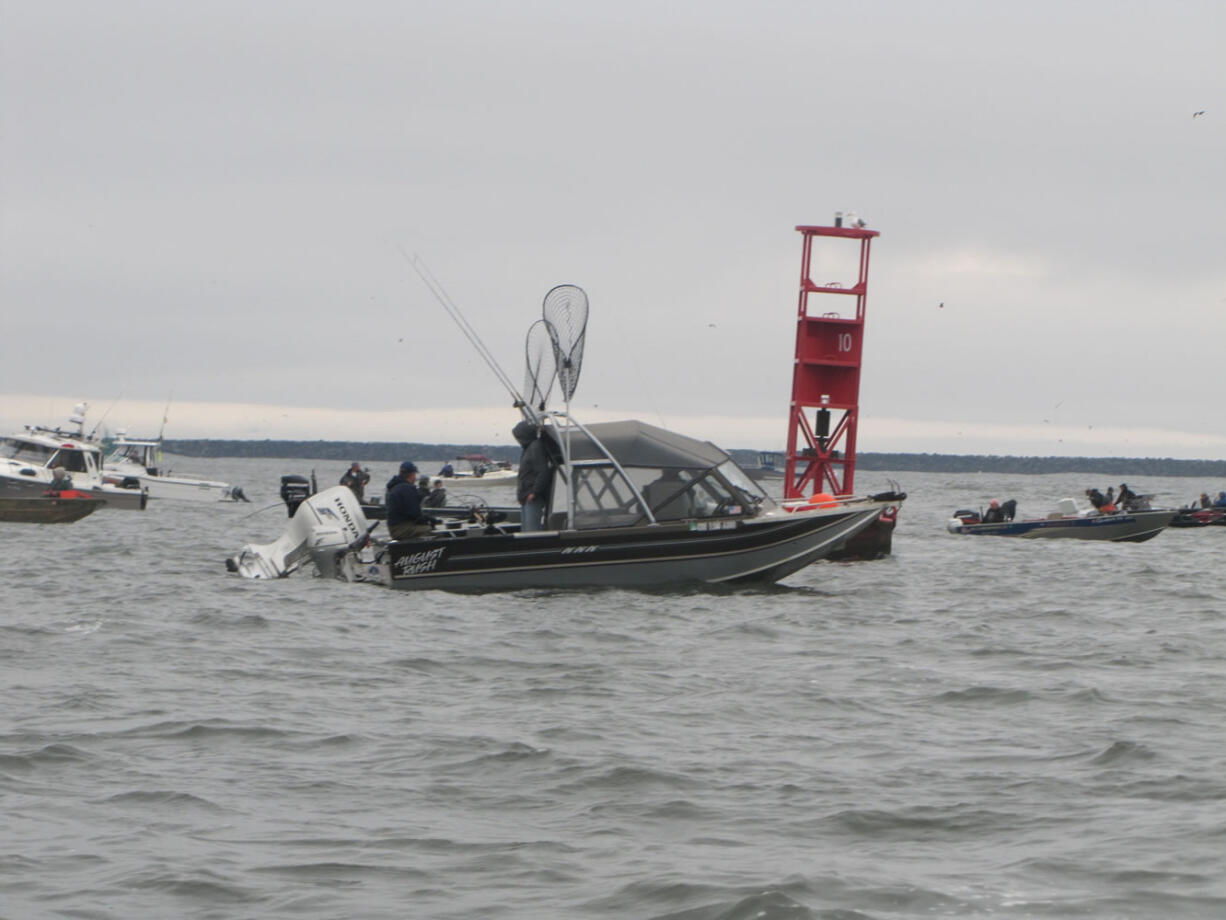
point(603, 499)
point(25, 451)
point(71, 459)
point(740, 481)
point(127, 453)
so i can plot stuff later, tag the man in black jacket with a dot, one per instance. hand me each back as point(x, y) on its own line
point(404, 516)
point(535, 476)
point(356, 478)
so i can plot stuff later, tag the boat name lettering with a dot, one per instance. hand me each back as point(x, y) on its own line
point(417, 563)
point(578, 549)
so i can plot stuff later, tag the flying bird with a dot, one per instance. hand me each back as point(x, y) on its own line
point(941, 305)
point(1198, 114)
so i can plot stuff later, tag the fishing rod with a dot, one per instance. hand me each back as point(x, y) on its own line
point(102, 419)
point(453, 310)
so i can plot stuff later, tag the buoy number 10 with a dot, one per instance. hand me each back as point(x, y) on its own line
point(844, 341)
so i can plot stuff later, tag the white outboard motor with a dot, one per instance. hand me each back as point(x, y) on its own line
point(325, 525)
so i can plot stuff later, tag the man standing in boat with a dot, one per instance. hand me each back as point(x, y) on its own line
point(356, 478)
point(404, 516)
point(535, 476)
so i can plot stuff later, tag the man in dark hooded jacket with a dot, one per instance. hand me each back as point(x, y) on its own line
point(404, 515)
point(535, 476)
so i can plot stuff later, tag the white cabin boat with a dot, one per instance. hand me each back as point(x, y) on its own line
point(28, 459)
point(138, 461)
point(479, 470)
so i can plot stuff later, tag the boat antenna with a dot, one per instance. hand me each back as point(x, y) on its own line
point(166, 414)
point(453, 310)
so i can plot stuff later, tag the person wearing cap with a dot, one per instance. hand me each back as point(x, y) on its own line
point(60, 480)
point(356, 478)
point(405, 520)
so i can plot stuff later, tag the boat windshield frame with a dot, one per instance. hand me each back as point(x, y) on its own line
point(719, 489)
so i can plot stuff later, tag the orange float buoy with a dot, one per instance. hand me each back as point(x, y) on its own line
point(822, 500)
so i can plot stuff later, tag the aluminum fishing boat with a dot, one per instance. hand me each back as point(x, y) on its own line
point(136, 463)
point(629, 505)
point(642, 507)
point(1069, 522)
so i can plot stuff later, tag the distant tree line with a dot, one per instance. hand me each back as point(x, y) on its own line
point(347, 451)
point(393, 451)
point(984, 463)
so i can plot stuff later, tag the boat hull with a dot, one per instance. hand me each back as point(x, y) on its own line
point(1128, 527)
point(46, 509)
point(709, 551)
point(167, 487)
point(112, 496)
point(466, 481)
point(873, 542)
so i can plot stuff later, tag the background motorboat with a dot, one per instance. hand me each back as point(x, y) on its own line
point(480, 470)
point(1070, 522)
point(27, 461)
point(136, 463)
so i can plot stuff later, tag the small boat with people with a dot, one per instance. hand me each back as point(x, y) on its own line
point(1135, 524)
point(478, 470)
point(626, 504)
point(136, 463)
point(1204, 512)
point(1200, 517)
point(41, 459)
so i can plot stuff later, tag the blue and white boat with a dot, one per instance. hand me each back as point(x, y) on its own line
point(1069, 522)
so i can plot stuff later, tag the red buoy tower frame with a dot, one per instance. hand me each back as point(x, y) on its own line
point(826, 375)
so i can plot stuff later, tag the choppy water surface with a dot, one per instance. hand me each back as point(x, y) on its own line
point(971, 728)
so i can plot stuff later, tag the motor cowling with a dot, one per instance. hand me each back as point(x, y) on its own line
point(294, 491)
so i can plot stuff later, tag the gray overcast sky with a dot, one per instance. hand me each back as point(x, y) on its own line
point(209, 200)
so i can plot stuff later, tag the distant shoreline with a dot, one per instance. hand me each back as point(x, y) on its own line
point(387, 451)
